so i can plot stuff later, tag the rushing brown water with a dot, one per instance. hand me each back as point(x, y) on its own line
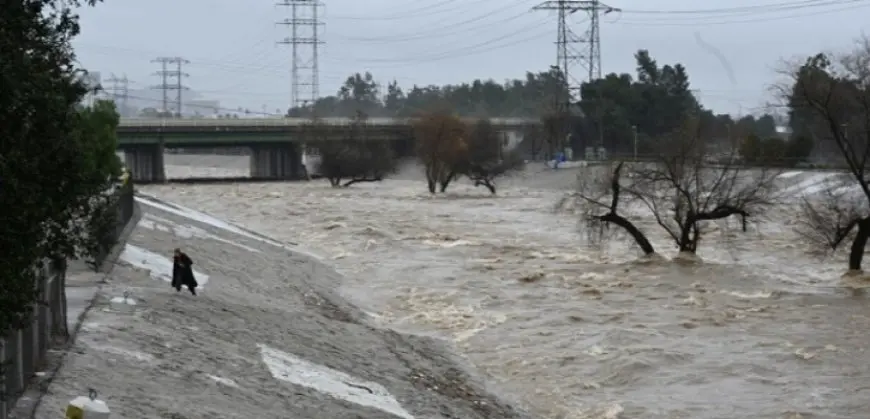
point(761, 329)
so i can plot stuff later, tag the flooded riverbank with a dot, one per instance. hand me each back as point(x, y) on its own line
point(759, 330)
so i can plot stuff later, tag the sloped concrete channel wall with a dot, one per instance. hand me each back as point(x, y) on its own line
point(23, 352)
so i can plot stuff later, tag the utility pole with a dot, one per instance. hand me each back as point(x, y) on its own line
point(304, 39)
point(120, 91)
point(167, 77)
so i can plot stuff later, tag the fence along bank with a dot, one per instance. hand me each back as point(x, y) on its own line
point(23, 350)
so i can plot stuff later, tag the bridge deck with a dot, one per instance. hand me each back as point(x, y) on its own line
point(291, 122)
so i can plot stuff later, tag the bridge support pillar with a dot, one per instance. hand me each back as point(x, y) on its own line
point(145, 163)
point(277, 161)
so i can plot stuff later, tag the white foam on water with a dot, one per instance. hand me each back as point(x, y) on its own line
point(812, 184)
point(179, 172)
point(159, 266)
point(290, 368)
point(750, 295)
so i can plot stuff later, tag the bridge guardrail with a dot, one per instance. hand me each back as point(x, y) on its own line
point(287, 122)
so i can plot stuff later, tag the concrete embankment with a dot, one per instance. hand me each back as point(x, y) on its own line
point(267, 337)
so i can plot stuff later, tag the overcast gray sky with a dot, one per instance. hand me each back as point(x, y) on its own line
point(234, 57)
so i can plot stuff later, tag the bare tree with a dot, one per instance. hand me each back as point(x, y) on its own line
point(683, 192)
point(486, 158)
point(600, 195)
point(441, 147)
point(829, 97)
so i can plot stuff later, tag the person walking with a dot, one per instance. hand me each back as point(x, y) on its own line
point(182, 272)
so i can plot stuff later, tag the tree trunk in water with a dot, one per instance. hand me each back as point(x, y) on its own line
point(431, 177)
point(444, 185)
point(489, 186)
point(446, 182)
point(685, 243)
point(359, 180)
point(629, 227)
point(856, 255)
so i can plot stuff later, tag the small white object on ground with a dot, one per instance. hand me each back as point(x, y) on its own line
point(87, 407)
point(125, 304)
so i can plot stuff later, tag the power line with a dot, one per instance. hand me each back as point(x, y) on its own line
point(759, 8)
point(458, 50)
point(453, 28)
point(304, 24)
point(704, 20)
point(566, 55)
point(419, 12)
point(166, 76)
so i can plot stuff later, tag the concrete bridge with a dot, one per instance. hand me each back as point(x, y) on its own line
point(277, 144)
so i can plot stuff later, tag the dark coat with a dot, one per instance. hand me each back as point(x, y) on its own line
point(182, 272)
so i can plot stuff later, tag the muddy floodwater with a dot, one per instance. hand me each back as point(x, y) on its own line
point(763, 328)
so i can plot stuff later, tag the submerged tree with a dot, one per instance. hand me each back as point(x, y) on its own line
point(829, 99)
point(441, 147)
point(602, 196)
point(683, 193)
point(357, 158)
point(354, 161)
point(486, 158)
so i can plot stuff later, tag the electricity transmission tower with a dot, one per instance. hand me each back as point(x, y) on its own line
point(120, 92)
point(167, 76)
point(304, 23)
point(567, 55)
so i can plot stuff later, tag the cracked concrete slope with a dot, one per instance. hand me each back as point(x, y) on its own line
point(216, 355)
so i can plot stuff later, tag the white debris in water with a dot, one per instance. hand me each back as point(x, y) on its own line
point(159, 266)
point(750, 295)
point(290, 368)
